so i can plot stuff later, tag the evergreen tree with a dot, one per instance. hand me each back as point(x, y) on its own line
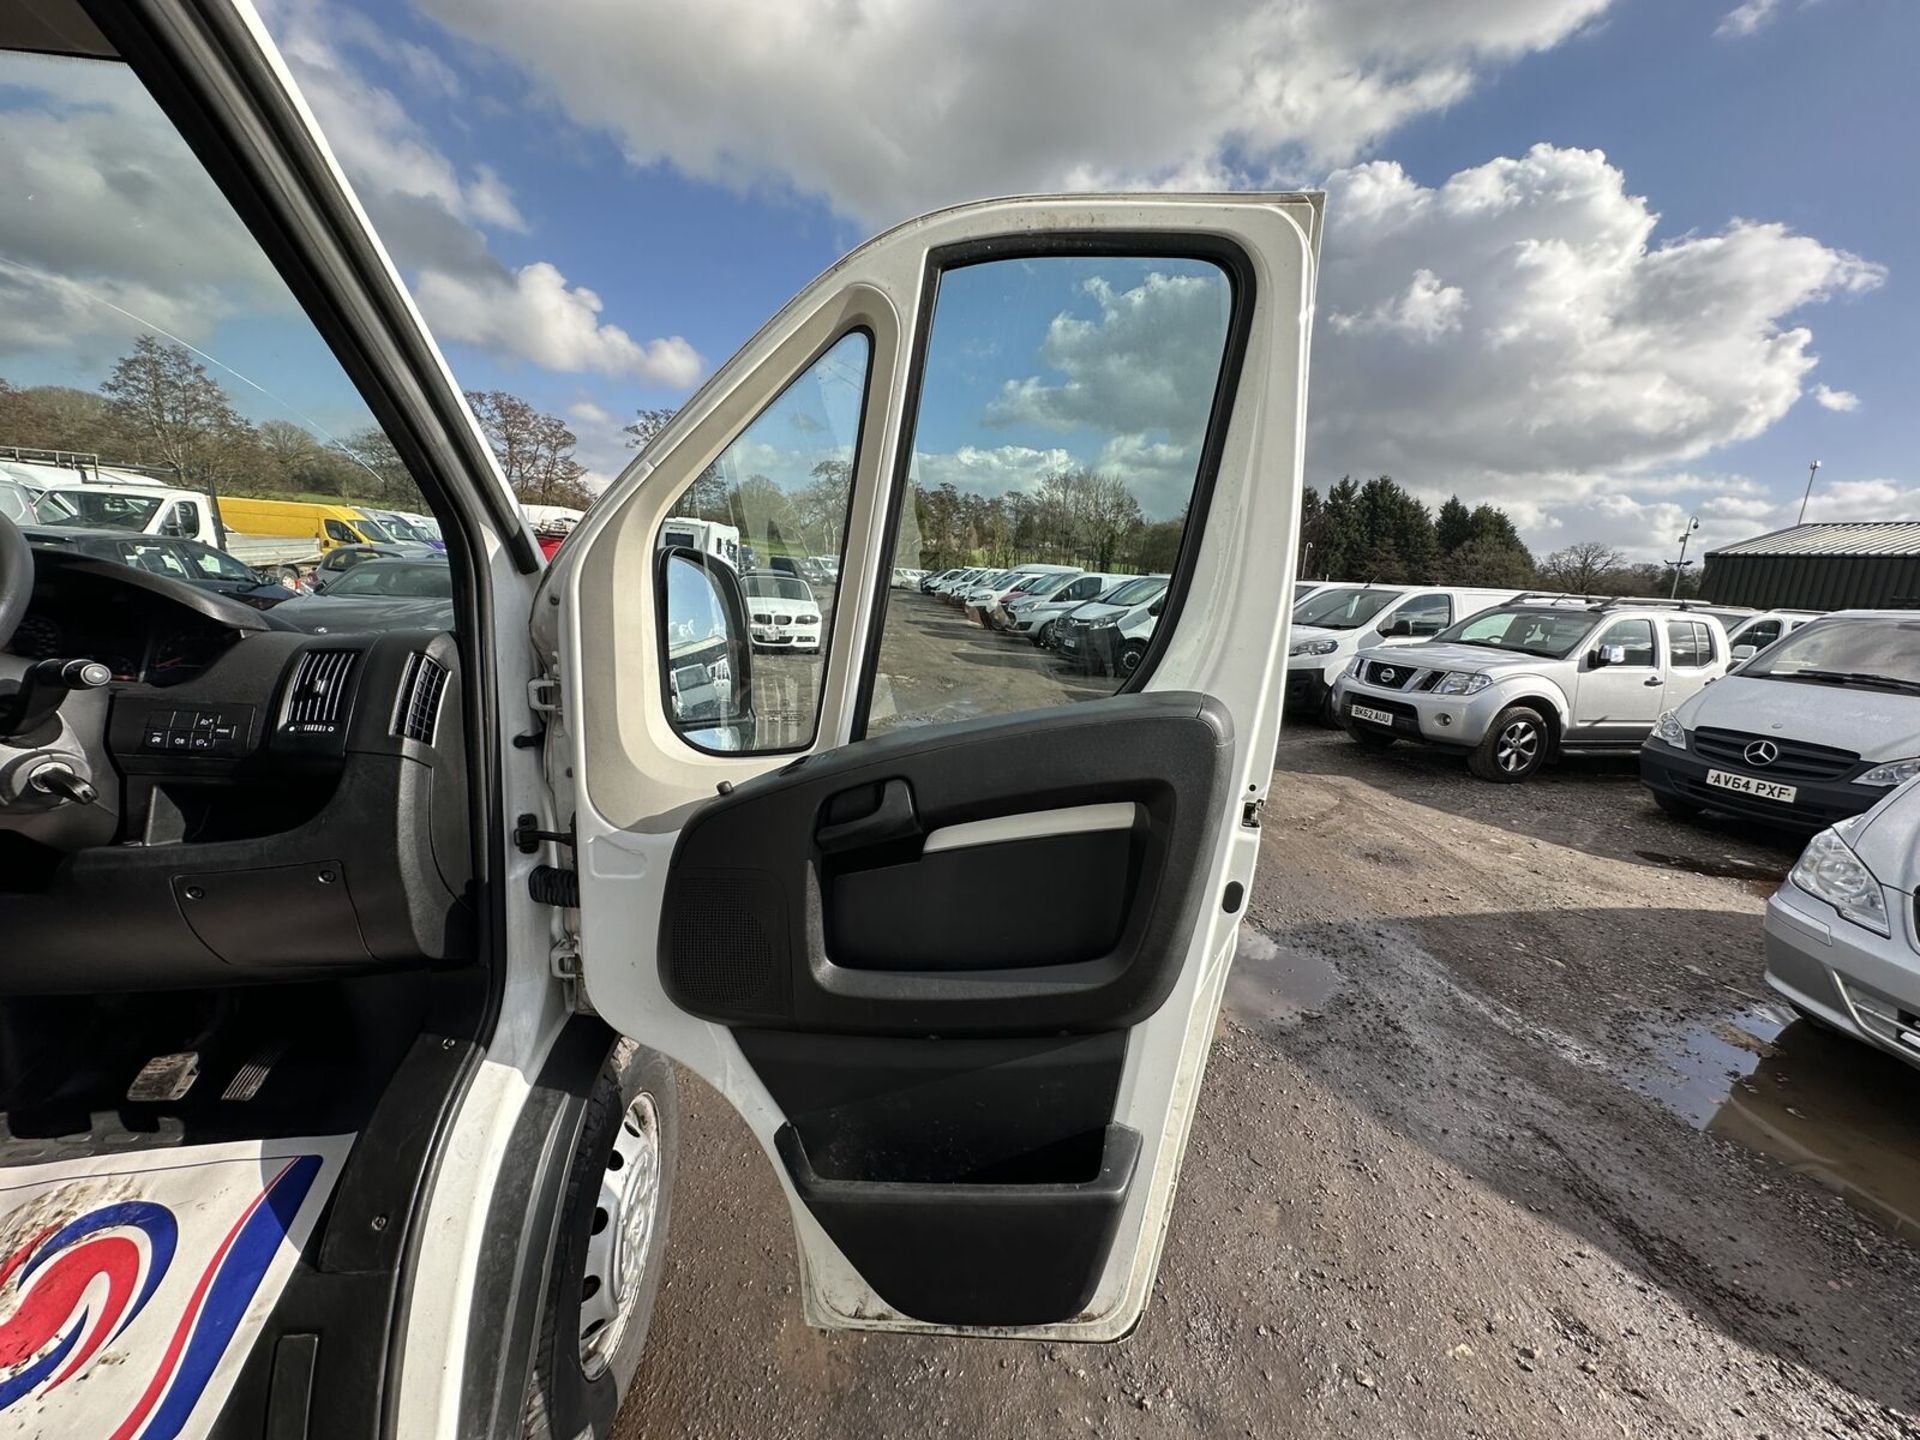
point(1454, 526)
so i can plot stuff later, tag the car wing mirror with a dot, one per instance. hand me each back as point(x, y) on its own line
point(706, 659)
point(1609, 655)
point(1397, 627)
point(1743, 653)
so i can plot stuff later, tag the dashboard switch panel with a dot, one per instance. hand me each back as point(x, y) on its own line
point(202, 732)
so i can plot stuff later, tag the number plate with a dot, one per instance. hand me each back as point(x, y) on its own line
point(1747, 785)
point(1368, 713)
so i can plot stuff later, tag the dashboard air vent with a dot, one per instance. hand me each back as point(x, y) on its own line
point(317, 699)
point(418, 711)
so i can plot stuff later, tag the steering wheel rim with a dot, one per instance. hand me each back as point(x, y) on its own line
point(16, 577)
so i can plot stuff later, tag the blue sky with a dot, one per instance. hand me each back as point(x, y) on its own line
point(1608, 263)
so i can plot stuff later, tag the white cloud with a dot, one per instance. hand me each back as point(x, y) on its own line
point(587, 412)
point(433, 213)
point(1827, 398)
point(888, 109)
point(1746, 17)
point(533, 313)
point(1517, 335)
point(988, 471)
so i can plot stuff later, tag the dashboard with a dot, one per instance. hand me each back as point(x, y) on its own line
point(85, 609)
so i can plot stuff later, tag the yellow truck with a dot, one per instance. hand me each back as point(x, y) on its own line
point(291, 536)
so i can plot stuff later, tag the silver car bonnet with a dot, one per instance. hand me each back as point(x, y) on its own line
point(1439, 655)
point(1875, 724)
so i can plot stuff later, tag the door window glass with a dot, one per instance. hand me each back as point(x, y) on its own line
point(152, 361)
point(1062, 413)
point(772, 511)
point(1760, 634)
point(338, 531)
point(1633, 636)
point(1691, 644)
point(1424, 615)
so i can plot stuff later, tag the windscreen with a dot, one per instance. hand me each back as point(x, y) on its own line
point(1546, 633)
point(1346, 608)
point(1872, 654)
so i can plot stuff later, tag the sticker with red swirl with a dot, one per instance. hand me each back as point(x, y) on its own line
point(133, 1286)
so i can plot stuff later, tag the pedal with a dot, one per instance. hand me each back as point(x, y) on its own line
point(165, 1078)
point(248, 1079)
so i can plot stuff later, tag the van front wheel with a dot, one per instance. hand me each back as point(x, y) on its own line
point(1515, 746)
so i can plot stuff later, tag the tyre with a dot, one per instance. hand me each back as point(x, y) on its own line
point(1129, 658)
point(290, 576)
point(1676, 807)
point(1515, 746)
point(1043, 637)
point(611, 1249)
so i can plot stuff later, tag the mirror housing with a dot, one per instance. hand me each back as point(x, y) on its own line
point(1606, 655)
point(1744, 653)
point(705, 650)
point(1397, 625)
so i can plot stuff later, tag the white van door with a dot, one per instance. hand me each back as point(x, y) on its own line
point(975, 1095)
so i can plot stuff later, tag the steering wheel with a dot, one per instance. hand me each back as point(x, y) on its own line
point(16, 577)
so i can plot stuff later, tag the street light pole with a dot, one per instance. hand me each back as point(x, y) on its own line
point(1812, 470)
point(1681, 564)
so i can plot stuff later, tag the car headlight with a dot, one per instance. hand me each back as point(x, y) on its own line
point(1314, 647)
point(1462, 682)
point(1669, 729)
point(1894, 772)
point(1830, 871)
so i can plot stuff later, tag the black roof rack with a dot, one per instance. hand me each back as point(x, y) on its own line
point(1607, 602)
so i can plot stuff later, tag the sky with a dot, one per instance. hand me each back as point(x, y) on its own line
point(1607, 263)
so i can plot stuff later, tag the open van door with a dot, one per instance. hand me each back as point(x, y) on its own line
point(956, 965)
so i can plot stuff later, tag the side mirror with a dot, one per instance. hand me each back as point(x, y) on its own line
point(1609, 655)
point(1397, 626)
point(706, 656)
point(1744, 653)
point(1157, 606)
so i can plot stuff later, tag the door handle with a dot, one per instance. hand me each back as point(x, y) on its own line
point(1652, 680)
point(892, 819)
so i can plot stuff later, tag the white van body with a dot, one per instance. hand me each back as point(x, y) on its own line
point(1357, 616)
point(109, 499)
point(708, 536)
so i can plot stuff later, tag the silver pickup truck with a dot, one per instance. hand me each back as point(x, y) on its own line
point(1515, 686)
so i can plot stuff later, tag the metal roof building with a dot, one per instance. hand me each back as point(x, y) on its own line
point(1834, 565)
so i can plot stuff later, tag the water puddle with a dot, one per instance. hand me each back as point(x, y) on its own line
point(1277, 983)
point(1834, 1109)
point(1761, 879)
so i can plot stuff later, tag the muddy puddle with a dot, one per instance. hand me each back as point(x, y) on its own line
point(1761, 879)
point(1833, 1109)
point(1276, 983)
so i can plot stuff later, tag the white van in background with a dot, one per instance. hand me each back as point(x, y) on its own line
point(1335, 622)
point(140, 507)
point(710, 537)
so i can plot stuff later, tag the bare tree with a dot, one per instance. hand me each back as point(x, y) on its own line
point(174, 412)
point(1583, 568)
point(535, 450)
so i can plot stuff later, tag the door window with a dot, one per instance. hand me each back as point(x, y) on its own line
point(338, 531)
point(186, 517)
point(1691, 644)
point(1633, 636)
point(156, 559)
point(1423, 615)
point(781, 491)
point(1063, 411)
point(1760, 634)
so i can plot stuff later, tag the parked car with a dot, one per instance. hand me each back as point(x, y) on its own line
point(1072, 633)
point(1842, 945)
point(1755, 633)
point(782, 613)
point(344, 558)
point(945, 586)
point(138, 507)
point(983, 602)
point(25, 505)
point(1519, 684)
point(1333, 623)
point(1034, 613)
point(1813, 729)
point(933, 577)
point(377, 595)
point(1117, 646)
point(188, 560)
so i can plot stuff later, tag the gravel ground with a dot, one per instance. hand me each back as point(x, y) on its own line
point(1501, 1136)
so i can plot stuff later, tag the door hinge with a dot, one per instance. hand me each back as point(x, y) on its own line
point(565, 958)
point(1250, 813)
